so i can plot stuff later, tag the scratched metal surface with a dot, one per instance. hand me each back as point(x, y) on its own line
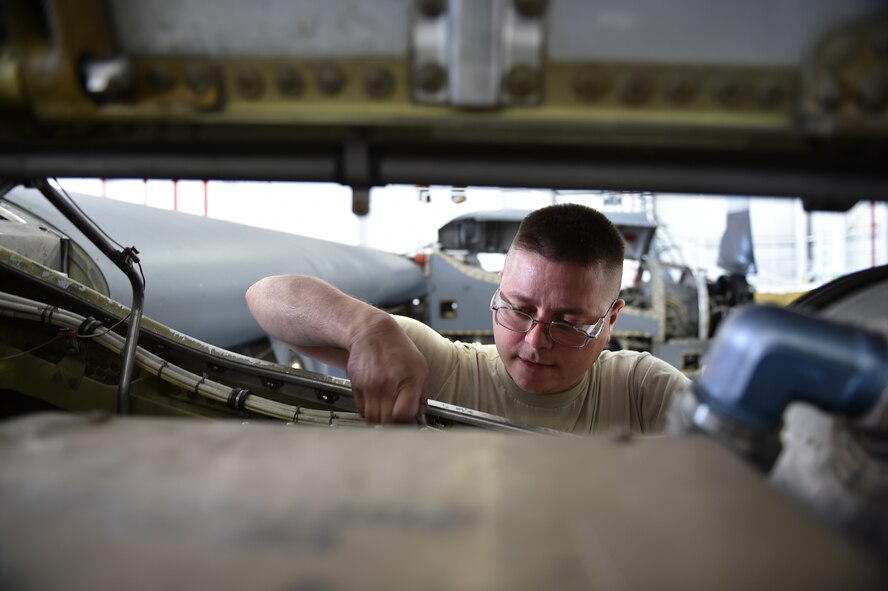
point(174, 504)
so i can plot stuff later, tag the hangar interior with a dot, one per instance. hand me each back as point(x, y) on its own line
point(139, 452)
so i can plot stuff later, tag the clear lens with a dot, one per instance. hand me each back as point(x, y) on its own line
point(566, 335)
point(563, 334)
point(514, 320)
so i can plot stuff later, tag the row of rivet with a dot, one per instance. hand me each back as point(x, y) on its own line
point(638, 88)
point(588, 84)
point(378, 81)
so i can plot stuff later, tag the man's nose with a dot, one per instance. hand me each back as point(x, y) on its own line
point(538, 337)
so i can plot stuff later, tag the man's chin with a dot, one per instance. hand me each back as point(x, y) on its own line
point(532, 384)
point(531, 379)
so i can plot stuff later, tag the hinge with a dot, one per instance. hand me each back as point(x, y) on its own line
point(477, 53)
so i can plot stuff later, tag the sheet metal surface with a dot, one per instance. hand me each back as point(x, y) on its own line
point(174, 504)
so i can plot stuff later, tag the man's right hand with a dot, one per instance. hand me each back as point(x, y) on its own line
point(388, 373)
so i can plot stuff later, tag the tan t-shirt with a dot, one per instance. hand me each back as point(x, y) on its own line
point(622, 389)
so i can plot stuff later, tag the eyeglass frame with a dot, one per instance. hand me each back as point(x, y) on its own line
point(590, 331)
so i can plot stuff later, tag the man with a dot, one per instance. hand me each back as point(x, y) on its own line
point(552, 315)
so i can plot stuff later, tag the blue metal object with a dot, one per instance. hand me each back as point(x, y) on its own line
point(765, 357)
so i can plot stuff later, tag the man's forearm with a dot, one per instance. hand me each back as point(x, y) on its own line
point(305, 311)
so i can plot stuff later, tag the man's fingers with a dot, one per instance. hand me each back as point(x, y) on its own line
point(407, 405)
point(359, 400)
point(385, 412)
point(371, 410)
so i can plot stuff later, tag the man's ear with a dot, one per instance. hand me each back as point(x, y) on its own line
point(615, 311)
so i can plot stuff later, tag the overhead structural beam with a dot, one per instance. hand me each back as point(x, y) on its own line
point(827, 187)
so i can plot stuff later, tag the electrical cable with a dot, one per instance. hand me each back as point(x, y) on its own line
point(63, 333)
point(27, 309)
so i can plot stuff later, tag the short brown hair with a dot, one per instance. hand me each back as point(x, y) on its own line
point(573, 233)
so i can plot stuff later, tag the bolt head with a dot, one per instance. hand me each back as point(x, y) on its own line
point(431, 78)
point(360, 207)
point(635, 89)
point(728, 91)
point(378, 82)
point(249, 84)
point(591, 83)
point(679, 89)
point(431, 8)
point(522, 81)
point(530, 8)
point(289, 81)
point(330, 79)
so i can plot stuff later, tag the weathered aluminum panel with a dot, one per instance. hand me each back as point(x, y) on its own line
point(148, 504)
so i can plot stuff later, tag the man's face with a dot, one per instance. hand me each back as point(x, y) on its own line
point(548, 291)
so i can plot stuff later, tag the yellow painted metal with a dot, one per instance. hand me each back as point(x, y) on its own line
point(577, 96)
